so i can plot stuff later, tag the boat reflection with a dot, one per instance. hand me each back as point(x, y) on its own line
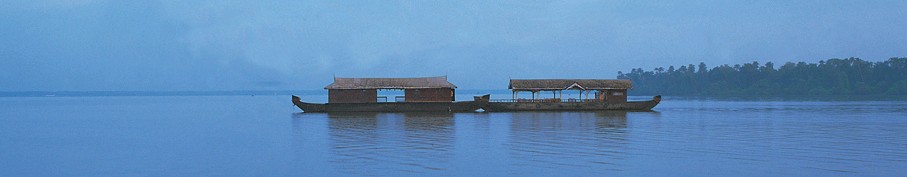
point(565, 140)
point(401, 141)
point(568, 120)
point(429, 143)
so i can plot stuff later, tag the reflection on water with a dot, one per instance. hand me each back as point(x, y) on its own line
point(409, 142)
point(266, 136)
point(429, 143)
point(566, 141)
point(708, 138)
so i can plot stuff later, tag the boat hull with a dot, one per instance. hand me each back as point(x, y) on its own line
point(571, 106)
point(462, 106)
point(471, 106)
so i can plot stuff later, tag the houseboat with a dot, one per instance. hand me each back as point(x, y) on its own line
point(425, 94)
point(607, 94)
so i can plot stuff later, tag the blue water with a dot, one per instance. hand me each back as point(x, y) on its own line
point(266, 135)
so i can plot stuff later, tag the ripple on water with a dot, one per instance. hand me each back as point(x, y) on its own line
point(397, 142)
point(706, 138)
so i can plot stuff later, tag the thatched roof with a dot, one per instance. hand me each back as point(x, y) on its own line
point(565, 84)
point(390, 83)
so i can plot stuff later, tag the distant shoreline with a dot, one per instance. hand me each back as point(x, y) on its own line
point(832, 77)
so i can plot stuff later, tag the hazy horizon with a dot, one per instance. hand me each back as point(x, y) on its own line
point(149, 45)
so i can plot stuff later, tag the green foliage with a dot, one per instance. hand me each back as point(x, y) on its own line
point(850, 76)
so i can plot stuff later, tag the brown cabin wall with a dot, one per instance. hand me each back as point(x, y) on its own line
point(352, 96)
point(429, 95)
point(616, 96)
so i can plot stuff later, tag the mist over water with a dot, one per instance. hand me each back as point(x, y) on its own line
point(267, 135)
point(210, 45)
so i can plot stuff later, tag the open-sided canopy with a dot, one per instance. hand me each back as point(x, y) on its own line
point(390, 83)
point(569, 84)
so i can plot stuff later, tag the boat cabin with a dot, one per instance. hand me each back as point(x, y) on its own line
point(365, 90)
point(604, 90)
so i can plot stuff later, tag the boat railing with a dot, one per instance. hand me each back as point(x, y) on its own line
point(545, 100)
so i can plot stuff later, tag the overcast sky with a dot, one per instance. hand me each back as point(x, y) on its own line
point(139, 45)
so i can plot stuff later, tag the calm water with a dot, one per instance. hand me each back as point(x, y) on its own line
point(265, 135)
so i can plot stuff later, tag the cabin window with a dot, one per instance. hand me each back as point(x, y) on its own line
point(390, 95)
point(617, 93)
point(400, 99)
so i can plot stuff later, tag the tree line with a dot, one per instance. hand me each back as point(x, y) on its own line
point(850, 76)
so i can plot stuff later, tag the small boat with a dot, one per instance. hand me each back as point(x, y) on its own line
point(608, 94)
point(426, 94)
point(584, 105)
point(436, 94)
point(459, 106)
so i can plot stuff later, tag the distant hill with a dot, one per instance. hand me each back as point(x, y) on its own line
point(850, 76)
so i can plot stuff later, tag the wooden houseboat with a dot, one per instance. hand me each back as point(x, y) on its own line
point(425, 94)
point(607, 94)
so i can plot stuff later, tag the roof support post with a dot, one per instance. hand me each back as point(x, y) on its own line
point(601, 95)
point(587, 94)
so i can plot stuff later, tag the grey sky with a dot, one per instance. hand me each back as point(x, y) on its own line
point(263, 44)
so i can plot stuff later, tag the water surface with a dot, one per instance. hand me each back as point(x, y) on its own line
point(266, 135)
